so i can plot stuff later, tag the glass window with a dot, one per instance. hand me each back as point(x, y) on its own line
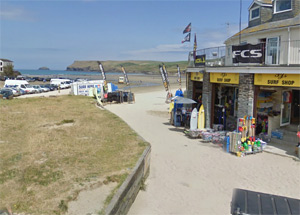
point(254, 13)
point(272, 54)
point(282, 5)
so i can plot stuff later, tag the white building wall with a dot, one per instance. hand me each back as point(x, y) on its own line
point(288, 49)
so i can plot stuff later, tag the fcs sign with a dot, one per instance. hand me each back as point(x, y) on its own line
point(247, 53)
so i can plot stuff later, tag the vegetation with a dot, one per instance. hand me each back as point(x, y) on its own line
point(130, 66)
point(51, 148)
point(8, 71)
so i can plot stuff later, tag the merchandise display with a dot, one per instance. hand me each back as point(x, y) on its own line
point(244, 141)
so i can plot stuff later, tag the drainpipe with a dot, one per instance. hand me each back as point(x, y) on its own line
point(289, 44)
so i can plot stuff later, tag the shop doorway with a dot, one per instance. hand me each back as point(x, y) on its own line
point(286, 107)
point(197, 93)
point(225, 106)
point(295, 116)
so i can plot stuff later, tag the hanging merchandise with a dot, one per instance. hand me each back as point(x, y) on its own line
point(244, 141)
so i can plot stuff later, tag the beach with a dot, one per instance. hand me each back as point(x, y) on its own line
point(191, 177)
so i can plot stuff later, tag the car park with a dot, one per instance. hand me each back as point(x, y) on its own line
point(50, 86)
point(44, 88)
point(6, 93)
point(38, 88)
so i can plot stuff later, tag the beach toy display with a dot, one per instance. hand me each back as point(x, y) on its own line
point(243, 141)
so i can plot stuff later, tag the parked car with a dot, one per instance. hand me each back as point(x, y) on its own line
point(38, 88)
point(6, 93)
point(50, 86)
point(44, 88)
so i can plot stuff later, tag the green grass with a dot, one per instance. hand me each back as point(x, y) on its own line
point(130, 66)
point(44, 163)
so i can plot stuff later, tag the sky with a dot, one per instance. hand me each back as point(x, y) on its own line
point(55, 33)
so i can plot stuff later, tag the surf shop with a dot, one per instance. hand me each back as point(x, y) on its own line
point(277, 98)
point(224, 106)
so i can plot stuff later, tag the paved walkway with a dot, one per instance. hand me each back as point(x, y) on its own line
point(190, 177)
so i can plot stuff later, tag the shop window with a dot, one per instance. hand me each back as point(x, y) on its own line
point(254, 13)
point(282, 5)
point(272, 54)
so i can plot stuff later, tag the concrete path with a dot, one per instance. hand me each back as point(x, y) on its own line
point(190, 177)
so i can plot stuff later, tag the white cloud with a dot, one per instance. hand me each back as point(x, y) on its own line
point(14, 13)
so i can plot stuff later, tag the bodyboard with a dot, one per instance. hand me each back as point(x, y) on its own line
point(201, 118)
point(194, 119)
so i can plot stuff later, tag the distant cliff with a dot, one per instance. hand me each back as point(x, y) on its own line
point(44, 68)
point(130, 66)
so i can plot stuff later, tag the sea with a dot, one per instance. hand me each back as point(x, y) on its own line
point(30, 72)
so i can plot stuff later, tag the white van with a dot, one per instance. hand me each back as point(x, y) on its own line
point(22, 84)
point(62, 83)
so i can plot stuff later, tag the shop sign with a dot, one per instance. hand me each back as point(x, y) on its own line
point(284, 80)
point(200, 60)
point(247, 53)
point(196, 76)
point(225, 78)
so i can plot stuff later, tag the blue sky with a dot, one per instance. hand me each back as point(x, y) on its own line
point(55, 33)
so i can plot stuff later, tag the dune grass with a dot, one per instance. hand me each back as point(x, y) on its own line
point(130, 66)
point(51, 147)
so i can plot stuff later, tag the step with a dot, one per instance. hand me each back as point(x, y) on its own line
point(282, 142)
point(280, 147)
point(289, 136)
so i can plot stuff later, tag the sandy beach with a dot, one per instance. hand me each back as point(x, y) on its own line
point(190, 177)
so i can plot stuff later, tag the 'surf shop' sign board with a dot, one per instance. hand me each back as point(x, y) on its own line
point(196, 76)
point(284, 80)
point(225, 78)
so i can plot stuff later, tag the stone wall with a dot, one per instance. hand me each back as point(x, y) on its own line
point(288, 14)
point(189, 86)
point(126, 194)
point(206, 98)
point(246, 95)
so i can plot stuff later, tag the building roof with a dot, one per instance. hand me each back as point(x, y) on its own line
point(268, 26)
point(5, 60)
point(263, 3)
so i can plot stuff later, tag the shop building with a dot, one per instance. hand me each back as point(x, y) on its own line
point(256, 73)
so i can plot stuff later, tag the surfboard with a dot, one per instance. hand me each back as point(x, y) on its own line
point(194, 119)
point(201, 118)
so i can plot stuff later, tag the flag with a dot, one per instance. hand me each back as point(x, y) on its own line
point(187, 38)
point(125, 75)
point(103, 75)
point(163, 77)
point(188, 28)
point(166, 73)
point(195, 47)
point(179, 75)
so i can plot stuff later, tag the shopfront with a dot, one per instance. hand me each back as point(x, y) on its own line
point(225, 90)
point(277, 101)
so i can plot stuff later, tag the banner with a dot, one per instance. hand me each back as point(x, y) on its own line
point(179, 75)
point(285, 80)
point(188, 28)
point(103, 74)
point(225, 78)
point(163, 77)
point(200, 60)
point(195, 47)
point(187, 38)
point(125, 75)
point(247, 53)
point(166, 73)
